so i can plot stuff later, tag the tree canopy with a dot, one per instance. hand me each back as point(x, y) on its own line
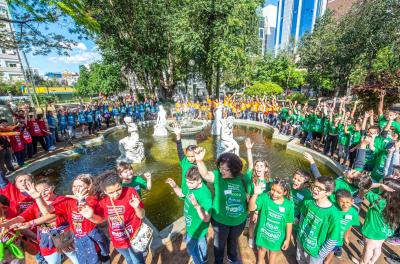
point(263, 89)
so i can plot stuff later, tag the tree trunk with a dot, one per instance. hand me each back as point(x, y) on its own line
point(217, 81)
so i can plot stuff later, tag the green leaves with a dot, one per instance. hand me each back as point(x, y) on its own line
point(100, 77)
point(263, 89)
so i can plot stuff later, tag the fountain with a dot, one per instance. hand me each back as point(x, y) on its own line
point(159, 128)
point(132, 150)
point(161, 159)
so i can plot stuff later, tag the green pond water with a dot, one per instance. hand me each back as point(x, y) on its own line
point(161, 205)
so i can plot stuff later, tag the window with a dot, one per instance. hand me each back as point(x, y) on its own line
point(12, 65)
point(261, 33)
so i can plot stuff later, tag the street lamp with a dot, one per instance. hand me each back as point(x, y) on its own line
point(191, 64)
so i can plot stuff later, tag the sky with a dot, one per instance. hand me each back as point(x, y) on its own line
point(83, 53)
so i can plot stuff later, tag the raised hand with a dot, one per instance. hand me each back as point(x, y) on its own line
point(248, 143)
point(31, 190)
point(134, 202)
point(177, 129)
point(199, 153)
point(309, 158)
point(147, 175)
point(171, 182)
point(79, 194)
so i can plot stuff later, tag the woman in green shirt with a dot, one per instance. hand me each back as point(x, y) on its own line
point(229, 212)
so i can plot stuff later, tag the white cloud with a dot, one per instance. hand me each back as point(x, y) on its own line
point(81, 57)
point(80, 46)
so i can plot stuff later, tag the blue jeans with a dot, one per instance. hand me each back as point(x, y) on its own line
point(197, 249)
point(55, 258)
point(130, 256)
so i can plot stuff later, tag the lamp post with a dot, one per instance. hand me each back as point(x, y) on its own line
point(191, 64)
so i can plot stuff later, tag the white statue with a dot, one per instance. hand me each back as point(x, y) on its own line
point(216, 124)
point(228, 143)
point(132, 150)
point(159, 128)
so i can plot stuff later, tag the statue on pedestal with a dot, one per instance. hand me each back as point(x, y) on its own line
point(159, 128)
point(228, 143)
point(132, 150)
point(216, 123)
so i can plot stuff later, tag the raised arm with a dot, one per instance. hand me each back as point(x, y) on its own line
point(249, 146)
point(313, 165)
point(381, 102)
point(177, 131)
point(205, 174)
point(353, 111)
point(175, 187)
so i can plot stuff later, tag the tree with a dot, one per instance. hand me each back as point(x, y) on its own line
point(359, 50)
point(31, 19)
point(101, 77)
point(263, 89)
point(280, 69)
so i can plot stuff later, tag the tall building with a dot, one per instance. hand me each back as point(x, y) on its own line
point(289, 20)
point(268, 26)
point(10, 62)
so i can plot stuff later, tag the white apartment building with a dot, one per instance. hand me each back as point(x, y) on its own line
point(10, 63)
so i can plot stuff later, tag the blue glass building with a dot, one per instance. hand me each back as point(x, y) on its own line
point(295, 18)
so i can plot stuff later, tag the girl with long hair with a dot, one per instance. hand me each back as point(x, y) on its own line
point(276, 219)
point(259, 174)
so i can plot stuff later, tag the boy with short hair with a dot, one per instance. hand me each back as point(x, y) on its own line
point(197, 211)
point(125, 172)
point(348, 217)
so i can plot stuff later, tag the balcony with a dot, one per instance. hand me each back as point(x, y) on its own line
point(6, 56)
point(11, 69)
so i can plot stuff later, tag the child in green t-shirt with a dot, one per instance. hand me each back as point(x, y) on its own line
point(257, 173)
point(276, 215)
point(349, 217)
point(186, 159)
point(125, 172)
point(299, 193)
point(319, 228)
point(197, 213)
point(382, 218)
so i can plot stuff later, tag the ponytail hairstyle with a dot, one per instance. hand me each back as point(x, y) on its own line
point(285, 186)
point(391, 213)
point(267, 174)
point(88, 180)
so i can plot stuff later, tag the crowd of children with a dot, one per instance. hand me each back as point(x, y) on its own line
point(30, 128)
point(310, 212)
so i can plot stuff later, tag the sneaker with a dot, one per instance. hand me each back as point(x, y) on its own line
point(251, 242)
point(392, 260)
point(393, 240)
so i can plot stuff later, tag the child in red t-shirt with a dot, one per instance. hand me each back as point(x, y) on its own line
point(36, 132)
point(43, 193)
point(124, 212)
point(91, 245)
point(18, 147)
